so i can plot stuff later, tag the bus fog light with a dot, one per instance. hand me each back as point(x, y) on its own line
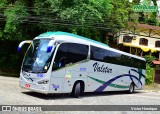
point(43, 82)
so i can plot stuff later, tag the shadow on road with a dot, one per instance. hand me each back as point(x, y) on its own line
point(67, 95)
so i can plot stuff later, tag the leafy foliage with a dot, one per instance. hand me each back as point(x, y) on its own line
point(14, 15)
point(149, 69)
point(149, 59)
point(149, 17)
point(149, 74)
point(3, 3)
point(88, 18)
point(120, 13)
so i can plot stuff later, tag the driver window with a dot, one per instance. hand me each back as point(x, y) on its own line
point(60, 58)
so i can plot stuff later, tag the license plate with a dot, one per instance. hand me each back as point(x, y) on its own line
point(27, 85)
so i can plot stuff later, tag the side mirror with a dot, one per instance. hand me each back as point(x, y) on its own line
point(50, 46)
point(22, 43)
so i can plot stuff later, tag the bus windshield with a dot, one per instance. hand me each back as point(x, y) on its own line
point(37, 59)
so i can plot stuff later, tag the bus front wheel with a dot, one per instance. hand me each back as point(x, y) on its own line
point(76, 90)
point(131, 88)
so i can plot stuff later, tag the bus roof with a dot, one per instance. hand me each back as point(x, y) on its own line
point(51, 34)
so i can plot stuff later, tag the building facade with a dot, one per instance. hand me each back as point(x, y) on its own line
point(140, 39)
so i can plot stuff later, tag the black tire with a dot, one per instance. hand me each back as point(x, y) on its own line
point(131, 88)
point(76, 90)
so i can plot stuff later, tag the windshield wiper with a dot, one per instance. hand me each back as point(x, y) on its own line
point(27, 70)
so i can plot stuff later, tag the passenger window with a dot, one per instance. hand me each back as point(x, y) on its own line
point(97, 54)
point(76, 52)
point(69, 53)
point(108, 56)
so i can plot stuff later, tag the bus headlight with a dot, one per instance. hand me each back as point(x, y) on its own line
point(43, 82)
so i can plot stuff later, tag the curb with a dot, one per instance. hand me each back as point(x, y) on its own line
point(151, 91)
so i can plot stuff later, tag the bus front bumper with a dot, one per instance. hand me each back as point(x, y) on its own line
point(40, 88)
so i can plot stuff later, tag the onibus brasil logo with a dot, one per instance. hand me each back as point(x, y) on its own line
point(145, 6)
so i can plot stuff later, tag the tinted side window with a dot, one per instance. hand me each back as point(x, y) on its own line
point(69, 53)
point(104, 55)
point(97, 54)
point(112, 57)
point(76, 52)
point(139, 63)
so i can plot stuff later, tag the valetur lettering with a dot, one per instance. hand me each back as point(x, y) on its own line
point(98, 68)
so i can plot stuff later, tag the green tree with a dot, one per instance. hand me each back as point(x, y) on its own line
point(14, 16)
point(147, 17)
point(122, 9)
point(88, 18)
point(149, 69)
point(149, 74)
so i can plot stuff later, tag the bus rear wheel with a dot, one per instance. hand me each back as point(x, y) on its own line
point(131, 88)
point(76, 90)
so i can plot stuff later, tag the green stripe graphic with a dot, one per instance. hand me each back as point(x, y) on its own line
point(111, 85)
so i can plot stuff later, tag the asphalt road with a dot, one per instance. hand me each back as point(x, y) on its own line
point(12, 94)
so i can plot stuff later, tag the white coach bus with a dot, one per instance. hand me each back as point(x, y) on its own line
point(60, 62)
